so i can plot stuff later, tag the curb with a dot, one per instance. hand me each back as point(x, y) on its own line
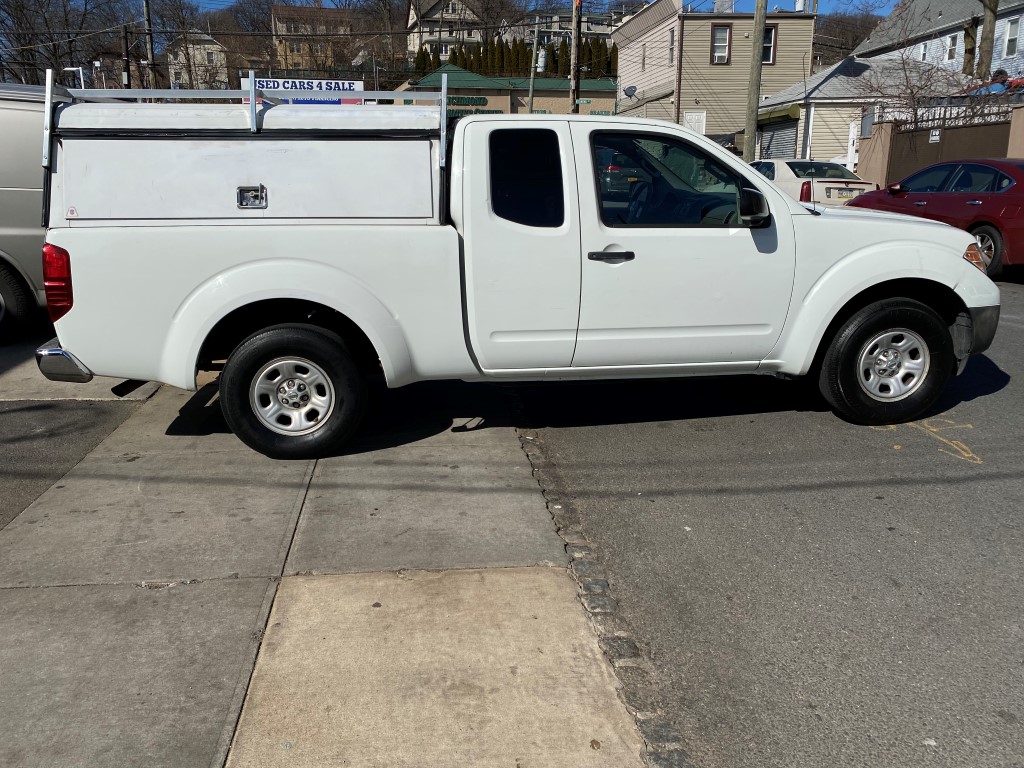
point(664, 745)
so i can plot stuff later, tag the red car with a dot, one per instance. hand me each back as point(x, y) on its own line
point(984, 197)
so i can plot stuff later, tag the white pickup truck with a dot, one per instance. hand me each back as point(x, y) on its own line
point(302, 249)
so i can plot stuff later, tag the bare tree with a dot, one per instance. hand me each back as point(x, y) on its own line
point(36, 35)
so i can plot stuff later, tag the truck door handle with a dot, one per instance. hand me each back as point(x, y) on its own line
point(974, 202)
point(922, 202)
point(611, 255)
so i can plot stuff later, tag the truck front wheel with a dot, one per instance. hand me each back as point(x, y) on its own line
point(888, 363)
point(292, 392)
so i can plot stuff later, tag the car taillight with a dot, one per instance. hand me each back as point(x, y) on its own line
point(805, 192)
point(57, 281)
point(612, 168)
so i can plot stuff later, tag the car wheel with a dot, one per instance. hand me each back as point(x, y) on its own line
point(293, 392)
point(888, 363)
point(16, 303)
point(990, 243)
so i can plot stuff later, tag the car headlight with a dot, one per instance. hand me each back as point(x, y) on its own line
point(973, 254)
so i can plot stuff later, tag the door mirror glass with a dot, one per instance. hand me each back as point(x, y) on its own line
point(897, 189)
point(754, 211)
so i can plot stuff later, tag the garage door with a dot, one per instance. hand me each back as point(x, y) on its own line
point(779, 140)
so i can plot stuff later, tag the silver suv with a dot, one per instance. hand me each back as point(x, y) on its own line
point(21, 195)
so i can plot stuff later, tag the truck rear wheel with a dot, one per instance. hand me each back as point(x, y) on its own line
point(293, 392)
point(888, 363)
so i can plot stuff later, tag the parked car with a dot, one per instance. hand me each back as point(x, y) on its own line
point(617, 173)
point(812, 181)
point(21, 201)
point(984, 197)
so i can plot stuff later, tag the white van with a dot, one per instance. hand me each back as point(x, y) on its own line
point(21, 196)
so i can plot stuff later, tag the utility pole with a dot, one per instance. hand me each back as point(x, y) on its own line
point(574, 56)
point(126, 63)
point(149, 44)
point(679, 66)
point(754, 94)
point(533, 63)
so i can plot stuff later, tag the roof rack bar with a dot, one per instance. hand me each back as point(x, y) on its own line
point(47, 118)
point(444, 119)
point(252, 102)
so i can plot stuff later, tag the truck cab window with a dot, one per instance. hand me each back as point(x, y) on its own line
point(656, 181)
point(526, 177)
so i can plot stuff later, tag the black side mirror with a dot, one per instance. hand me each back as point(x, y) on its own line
point(897, 189)
point(754, 211)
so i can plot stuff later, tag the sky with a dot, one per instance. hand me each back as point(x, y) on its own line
point(824, 6)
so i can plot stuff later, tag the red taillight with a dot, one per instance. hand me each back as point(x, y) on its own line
point(612, 168)
point(57, 281)
point(805, 192)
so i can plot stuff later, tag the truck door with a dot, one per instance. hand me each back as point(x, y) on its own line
point(670, 277)
point(521, 230)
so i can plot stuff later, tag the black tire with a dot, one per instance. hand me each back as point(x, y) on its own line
point(888, 363)
point(300, 355)
point(16, 304)
point(990, 239)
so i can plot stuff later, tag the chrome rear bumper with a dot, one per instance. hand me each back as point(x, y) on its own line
point(58, 364)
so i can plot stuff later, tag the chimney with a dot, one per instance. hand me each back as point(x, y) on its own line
point(725, 6)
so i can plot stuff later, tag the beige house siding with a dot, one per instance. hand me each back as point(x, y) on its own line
point(722, 88)
point(647, 62)
point(831, 130)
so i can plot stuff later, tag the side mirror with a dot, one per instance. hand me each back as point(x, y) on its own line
point(754, 211)
point(897, 189)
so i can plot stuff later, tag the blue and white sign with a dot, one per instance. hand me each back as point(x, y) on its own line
point(311, 91)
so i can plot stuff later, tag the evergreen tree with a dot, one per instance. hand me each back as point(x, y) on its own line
point(435, 58)
point(563, 58)
point(613, 60)
point(499, 57)
point(586, 59)
point(550, 59)
point(600, 53)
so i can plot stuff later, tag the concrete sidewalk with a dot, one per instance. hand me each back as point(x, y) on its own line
point(404, 605)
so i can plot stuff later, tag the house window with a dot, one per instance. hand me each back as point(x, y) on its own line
point(721, 43)
point(1012, 30)
point(444, 49)
point(922, 52)
point(291, 28)
point(671, 45)
point(768, 47)
point(294, 47)
point(317, 49)
point(951, 48)
point(643, 57)
point(209, 57)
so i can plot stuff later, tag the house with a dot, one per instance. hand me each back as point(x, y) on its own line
point(817, 115)
point(196, 61)
point(714, 66)
point(470, 93)
point(303, 42)
point(947, 33)
point(448, 24)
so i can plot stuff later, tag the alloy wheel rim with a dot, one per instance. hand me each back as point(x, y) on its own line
point(292, 396)
point(893, 365)
point(987, 246)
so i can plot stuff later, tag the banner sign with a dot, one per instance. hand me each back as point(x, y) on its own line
point(310, 91)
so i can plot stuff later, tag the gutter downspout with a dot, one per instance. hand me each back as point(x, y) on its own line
point(808, 129)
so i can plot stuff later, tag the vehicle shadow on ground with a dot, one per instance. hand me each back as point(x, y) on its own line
point(420, 411)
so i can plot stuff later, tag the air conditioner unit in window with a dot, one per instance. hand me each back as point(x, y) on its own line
point(721, 58)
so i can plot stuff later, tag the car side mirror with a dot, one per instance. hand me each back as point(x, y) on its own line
point(754, 211)
point(897, 189)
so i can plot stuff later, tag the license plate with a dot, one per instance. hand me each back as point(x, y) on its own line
point(846, 194)
point(631, 178)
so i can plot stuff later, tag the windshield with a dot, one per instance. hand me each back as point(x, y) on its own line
point(811, 170)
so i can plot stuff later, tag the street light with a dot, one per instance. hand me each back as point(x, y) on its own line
point(81, 76)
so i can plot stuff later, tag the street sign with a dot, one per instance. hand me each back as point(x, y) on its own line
point(582, 101)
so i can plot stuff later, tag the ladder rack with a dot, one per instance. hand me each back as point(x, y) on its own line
point(58, 94)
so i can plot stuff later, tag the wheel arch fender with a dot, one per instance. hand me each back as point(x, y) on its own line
point(280, 279)
point(855, 282)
